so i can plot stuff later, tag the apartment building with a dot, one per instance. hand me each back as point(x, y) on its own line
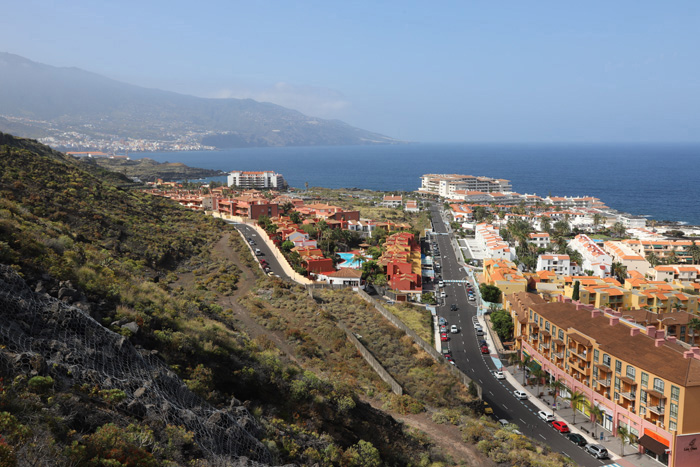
point(540, 239)
point(621, 252)
point(595, 259)
point(504, 275)
point(641, 378)
point(490, 240)
point(446, 184)
point(390, 201)
point(678, 251)
point(402, 262)
point(558, 264)
point(258, 180)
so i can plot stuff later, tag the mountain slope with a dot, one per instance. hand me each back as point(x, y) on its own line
point(77, 100)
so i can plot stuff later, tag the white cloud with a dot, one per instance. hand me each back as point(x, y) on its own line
point(309, 100)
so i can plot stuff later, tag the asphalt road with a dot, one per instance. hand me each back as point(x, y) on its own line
point(268, 255)
point(468, 358)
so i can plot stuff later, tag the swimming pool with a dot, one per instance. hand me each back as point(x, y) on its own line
point(348, 262)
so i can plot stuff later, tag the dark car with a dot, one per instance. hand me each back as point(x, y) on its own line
point(577, 439)
point(453, 307)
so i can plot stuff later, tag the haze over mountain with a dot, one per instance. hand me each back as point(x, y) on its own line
point(38, 100)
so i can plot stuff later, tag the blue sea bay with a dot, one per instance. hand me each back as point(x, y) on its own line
point(658, 180)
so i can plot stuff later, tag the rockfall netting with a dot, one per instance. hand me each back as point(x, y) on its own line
point(40, 335)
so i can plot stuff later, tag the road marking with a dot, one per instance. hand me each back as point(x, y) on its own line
point(490, 393)
point(542, 437)
point(522, 420)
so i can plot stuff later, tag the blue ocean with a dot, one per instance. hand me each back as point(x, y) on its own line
point(661, 181)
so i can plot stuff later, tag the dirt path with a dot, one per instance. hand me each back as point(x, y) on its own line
point(447, 438)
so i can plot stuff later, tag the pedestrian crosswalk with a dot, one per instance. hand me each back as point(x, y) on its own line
point(612, 465)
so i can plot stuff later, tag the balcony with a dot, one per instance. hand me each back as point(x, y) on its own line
point(559, 355)
point(545, 345)
point(630, 396)
point(657, 409)
point(604, 382)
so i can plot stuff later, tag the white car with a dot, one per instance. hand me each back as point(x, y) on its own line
point(454, 329)
point(546, 416)
point(477, 326)
point(499, 375)
point(522, 395)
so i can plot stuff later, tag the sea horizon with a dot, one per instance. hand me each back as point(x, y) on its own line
point(655, 180)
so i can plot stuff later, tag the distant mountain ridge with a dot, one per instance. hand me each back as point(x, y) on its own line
point(50, 99)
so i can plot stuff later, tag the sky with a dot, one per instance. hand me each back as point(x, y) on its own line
point(444, 71)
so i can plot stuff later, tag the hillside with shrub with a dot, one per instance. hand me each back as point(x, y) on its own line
point(129, 339)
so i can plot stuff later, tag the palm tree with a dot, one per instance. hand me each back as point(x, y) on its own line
point(619, 270)
point(597, 220)
point(556, 386)
point(653, 259)
point(539, 375)
point(358, 259)
point(694, 252)
point(694, 324)
point(625, 437)
point(575, 398)
point(597, 414)
point(618, 229)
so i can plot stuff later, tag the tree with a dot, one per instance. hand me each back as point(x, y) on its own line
point(694, 324)
point(653, 259)
point(524, 364)
point(562, 228)
point(546, 224)
point(502, 324)
point(295, 217)
point(286, 246)
point(598, 219)
point(575, 398)
point(625, 437)
point(619, 270)
point(618, 229)
point(490, 293)
point(694, 252)
point(556, 386)
point(363, 454)
point(597, 414)
point(286, 207)
point(538, 374)
point(575, 295)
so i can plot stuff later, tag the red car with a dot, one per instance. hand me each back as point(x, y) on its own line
point(561, 427)
point(443, 337)
point(484, 349)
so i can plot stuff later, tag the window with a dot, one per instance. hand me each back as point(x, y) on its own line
point(546, 326)
point(617, 384)
point(643, 396)
point(561, 334)
point(675, 393)
point(554, 330)
point(596, 354)
point(595, 372)
point(674, 410)
point(658, 385)
point(631, 372)
point(642, 410)
point(530, 315)
point(682, 331)
point(606, 360)
point(618, 366)
point(645, 380)
point(672, 426)
point(540, 321)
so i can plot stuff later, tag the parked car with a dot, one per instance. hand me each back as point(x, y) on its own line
point(442, 321)
point(522, 395)
point(480, 333)
point(482, 342)
point(454, 329)
point(499, 375)
point(258, 252)
point(560, 426)
point(471, 298)
point(484, 349)
point(577, 439)
point(443, 328)
point(597, 451)
point(443, 337)
point(546, 416)
point(503, 422)
point(487, 408)
point(441, 284)
point(477, 326)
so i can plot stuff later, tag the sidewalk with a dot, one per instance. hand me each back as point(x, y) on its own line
point(564, 412)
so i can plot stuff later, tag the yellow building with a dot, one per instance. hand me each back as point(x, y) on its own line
point(504, 274)
point(641, 378)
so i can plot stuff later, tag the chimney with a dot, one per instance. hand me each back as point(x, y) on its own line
point(651, 331)
point(578, 306)
point(617, 313)
point(634, 331)
point(595, 313)
point(661, 334)
point(688, 354)
point(614, 320)
point(671, 339)
point(659, 342)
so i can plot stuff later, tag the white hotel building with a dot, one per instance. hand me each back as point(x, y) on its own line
point(257, 180)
